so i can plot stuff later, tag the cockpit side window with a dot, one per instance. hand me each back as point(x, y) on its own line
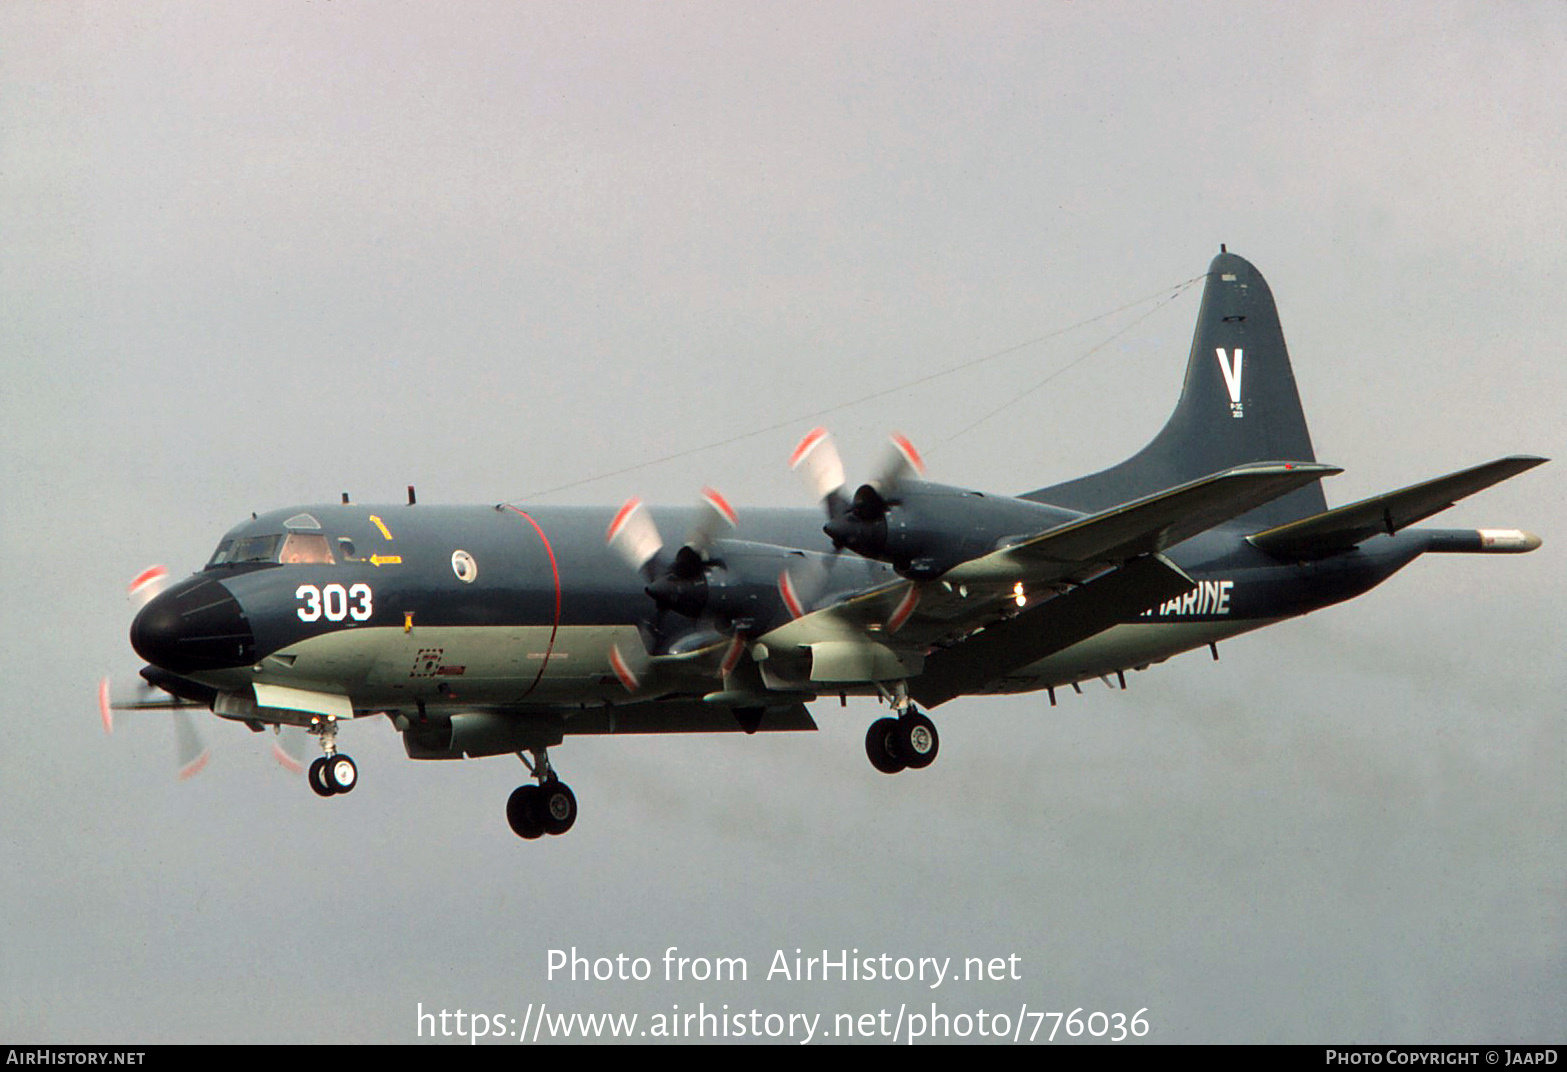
point(302, 548)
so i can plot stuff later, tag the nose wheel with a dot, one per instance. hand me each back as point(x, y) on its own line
point(550, 807)
point(330, 775)
point(334, 772)
point(909, 741)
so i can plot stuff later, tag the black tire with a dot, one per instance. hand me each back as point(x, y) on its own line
point(317, 777)
point(340, 773)
point(524, 814)
point(557, 806)
point(881, 746)
point(918, 741)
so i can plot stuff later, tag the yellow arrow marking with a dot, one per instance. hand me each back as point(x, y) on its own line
point(380, 526)
point(385, 560)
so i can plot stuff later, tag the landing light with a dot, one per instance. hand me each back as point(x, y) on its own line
point(1017, 594)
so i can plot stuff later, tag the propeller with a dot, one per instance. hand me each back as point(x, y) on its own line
point(140, 694)
point(678, 587)
point(722, 589)
point(191, 753)
point(857, 522)
point(681, 586)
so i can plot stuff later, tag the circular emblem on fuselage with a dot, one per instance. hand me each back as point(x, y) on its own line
point(464, 566)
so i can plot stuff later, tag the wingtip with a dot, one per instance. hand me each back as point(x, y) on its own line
point(1509, 541)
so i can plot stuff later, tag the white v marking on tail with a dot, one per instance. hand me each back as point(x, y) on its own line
point(1232, 374)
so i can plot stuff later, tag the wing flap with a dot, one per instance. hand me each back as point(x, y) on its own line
point(1052, 626)
point(1342, 528)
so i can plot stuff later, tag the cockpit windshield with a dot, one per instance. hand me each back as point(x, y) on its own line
point(235, 551)
point(296, 548)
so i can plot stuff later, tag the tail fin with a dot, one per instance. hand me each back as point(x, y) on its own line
point(1238, 405)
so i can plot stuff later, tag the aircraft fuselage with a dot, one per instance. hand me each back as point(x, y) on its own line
point(478, 605)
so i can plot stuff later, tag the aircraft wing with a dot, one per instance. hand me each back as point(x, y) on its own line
point(970, 625)
point(1143, 526)
point(1340, 529)
point(1051, 626)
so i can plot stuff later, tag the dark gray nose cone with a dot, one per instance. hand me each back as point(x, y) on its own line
point(196, 625)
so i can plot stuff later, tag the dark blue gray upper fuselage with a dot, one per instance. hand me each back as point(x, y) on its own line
point(550, 566)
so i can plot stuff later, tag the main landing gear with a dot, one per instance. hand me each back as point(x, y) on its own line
point(908, 741)
point(332, 773)
point(547, 808)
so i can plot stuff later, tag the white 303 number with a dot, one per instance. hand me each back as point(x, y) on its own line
point(334, 602)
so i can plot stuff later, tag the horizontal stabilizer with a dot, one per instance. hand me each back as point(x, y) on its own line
point(1340, 529)
point(1052, 626)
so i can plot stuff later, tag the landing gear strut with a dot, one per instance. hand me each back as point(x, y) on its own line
point(332, 773)
point(550, 807)
point(909, 741)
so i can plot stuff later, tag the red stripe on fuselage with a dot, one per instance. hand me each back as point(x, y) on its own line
point(555, 570)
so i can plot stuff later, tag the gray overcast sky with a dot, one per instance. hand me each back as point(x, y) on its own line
point(258, 254)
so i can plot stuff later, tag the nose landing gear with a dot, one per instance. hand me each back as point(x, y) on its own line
point(334, 772)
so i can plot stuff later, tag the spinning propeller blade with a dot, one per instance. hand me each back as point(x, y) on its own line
point(290, 747)
point(633, 535)
point(193, 755)
point(902, 461)
point(138, 695)
point(147, 584)
point(628, 667)
point(715, 515)
point(816, 459)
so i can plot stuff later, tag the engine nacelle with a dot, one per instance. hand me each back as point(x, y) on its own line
point(927, 529)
